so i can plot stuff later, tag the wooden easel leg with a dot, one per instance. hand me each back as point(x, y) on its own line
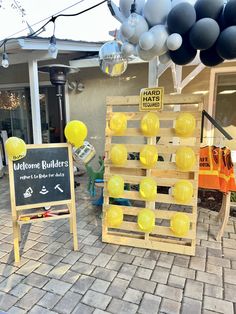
point(222, 209)
point(74, 227)
point(226, 212)
point(16, 241)
point(71, 222)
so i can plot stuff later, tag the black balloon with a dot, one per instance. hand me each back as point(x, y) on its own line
point(230, 13)
point(181, 18)
point(210, 57)
point(209, 8)
point(221, 20)
point(185, 54)
point(204, 33)
point(226, 43)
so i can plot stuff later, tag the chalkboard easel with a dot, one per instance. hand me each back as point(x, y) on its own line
point(43, 178)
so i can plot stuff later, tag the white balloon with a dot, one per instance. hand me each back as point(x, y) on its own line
point(164, 58)
point(127, 30)
point(125, 6)
point(127, 49)
point(160, 35)
point(156, 11)
point(146, 41)
point(140, 27)
point(174, 41)
point(145, 55)
point(175, 2)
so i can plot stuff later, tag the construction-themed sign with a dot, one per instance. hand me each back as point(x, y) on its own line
point(151, 99)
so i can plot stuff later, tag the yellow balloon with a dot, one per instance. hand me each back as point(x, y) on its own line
point(118, 123)
point(183, 191)
point(118, 154)
point(150, 124)
point(15, 148)
point(185, 158)
point(148, 189)
point(146, 220)
point(115, 186)
point(76, 132)
point(180, 224)
point(185, 124)
point(114, 216)
point(149, 156)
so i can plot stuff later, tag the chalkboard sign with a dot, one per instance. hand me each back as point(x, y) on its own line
point(42, 176)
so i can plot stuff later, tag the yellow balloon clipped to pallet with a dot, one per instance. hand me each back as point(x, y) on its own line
point(185, 158)
point(118, 155)
point(115, 186)
point(76, 132)
point(150, 124)
point(180, 224)
point(114, 216)
point(183, 191)
point(185, 124)
point(118, 123)
point(15, 148)
point(148, 189)
point(146, 220)
point(148, 156)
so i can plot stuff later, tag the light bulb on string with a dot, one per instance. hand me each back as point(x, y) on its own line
point(5, 61)
point(52, 48)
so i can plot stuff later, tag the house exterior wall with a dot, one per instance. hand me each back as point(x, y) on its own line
point(89, 106)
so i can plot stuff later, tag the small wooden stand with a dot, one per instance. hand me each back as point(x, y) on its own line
point(224, 214)
point(19, 218)
point(165, 173)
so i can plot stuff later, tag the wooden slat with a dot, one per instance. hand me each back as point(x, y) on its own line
point(162, 115)
point(158, 230)
point(168, 99)
point(161, 198)
point(163, 132)
point(22, 222)
point(160, 181)
point(162, 149)
point(152, 245)
point(161, 165)
point(159, 213)
point(154, 172)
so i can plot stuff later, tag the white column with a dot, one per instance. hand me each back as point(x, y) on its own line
point(152, 73)
point(35, 103)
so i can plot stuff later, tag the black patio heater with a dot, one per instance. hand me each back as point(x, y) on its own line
point(58, 75)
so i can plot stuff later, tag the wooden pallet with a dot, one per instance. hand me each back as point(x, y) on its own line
point(165, 173)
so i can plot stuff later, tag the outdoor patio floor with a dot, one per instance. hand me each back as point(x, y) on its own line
point(104, 278)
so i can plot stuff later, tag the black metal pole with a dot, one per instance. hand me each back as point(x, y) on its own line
point(59, 95)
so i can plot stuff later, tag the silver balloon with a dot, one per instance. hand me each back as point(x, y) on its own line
point(160, 35)
point(156, 11)
point(125, 6)
point(146, 55)
point(140, 26)
point(174, 41)
point(146, 41)
point(127, 49)
point(111, 60)
point(127, 30)
point(165, 58)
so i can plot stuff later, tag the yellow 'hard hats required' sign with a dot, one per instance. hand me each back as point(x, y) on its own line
point(151, 99)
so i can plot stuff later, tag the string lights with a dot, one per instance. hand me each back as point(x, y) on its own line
point(52, 48)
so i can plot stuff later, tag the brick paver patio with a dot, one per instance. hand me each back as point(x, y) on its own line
point(103, 278)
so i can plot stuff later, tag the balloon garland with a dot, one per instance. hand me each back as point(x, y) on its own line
point(175, 30)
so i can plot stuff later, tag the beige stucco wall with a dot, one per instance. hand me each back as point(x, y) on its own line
point(89, 106)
